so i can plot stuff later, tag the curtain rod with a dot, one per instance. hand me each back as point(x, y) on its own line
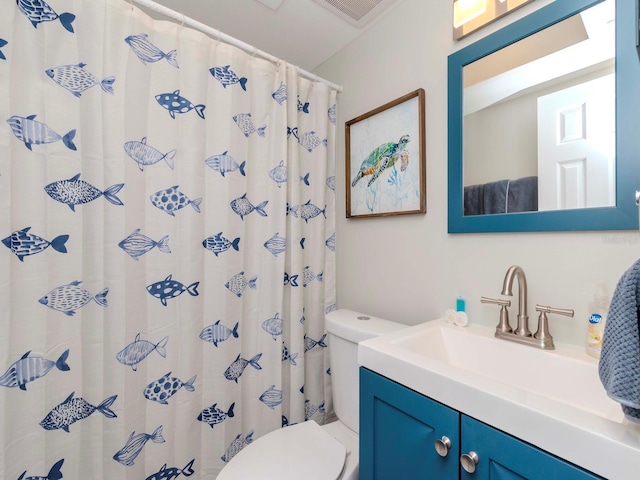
point(184, 20)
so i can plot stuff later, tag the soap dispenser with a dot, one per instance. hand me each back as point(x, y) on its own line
point(597, 319)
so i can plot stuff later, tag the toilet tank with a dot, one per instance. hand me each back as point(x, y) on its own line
point(346, 328)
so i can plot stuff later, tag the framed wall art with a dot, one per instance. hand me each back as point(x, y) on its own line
point(385, 159)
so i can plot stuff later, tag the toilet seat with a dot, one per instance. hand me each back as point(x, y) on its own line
point(303, 450)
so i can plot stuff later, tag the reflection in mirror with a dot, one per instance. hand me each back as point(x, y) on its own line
point(539, 120)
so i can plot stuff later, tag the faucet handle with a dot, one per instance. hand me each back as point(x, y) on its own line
point(503, 325)
point(561, 311)
point(543, 334)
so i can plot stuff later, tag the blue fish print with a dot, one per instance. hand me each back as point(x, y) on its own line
point(330, 308)
point(271, 397)
point(76, 79)
point(73, 410)
point(331, 242)
point(28, 369)
point(309, 211)
point(74, 192)
point(331, 182)
point(279, 174)
point(239, 282)
point(224, 163)
point(169, 288)
point(217, 333)
point(39, 11)
point(173, 472)
point(234, 370)
point(329, 371)
point(280, 95)
point(276, 244)
point(290, 279)
point(127, 454)
point(305, 179)
point(286, 355)
point(246, 126)
point(214, 415)
point(174, 103)
point(302, 318)
point(135, 352)
point(242, 206)
point(292, 210)
point(148, 52)
point(308, 276)
point(145, 155)
point(68, 298)
point(3, 42)
point(54, 474)
point(310, 343)
point(218, 244)
point(165, 387)
point(332, 113)
point(171, 199)
point(227, 77)
point(302, 242)
point(273, 326)
point(22, 243)
point(32, 132)
point(237, 445)
point(137, 244)
point(310, 410)
point(303, 107)
point(307, 140)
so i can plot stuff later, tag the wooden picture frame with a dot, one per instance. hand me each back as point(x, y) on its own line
point(385, 159)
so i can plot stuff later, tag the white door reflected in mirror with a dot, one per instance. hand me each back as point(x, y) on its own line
point(576, 146)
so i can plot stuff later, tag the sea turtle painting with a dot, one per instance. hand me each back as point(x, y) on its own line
point(380, 158)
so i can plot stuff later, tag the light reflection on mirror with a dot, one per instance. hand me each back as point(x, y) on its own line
point(539, 120)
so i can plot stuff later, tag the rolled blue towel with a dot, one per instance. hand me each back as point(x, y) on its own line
point(619, 366)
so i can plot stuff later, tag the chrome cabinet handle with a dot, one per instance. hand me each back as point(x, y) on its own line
point(469, 461)
point(442, 446)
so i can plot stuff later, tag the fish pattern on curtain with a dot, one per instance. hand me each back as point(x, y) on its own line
point(167, 220)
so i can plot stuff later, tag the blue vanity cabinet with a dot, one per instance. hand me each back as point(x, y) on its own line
point(398, 429)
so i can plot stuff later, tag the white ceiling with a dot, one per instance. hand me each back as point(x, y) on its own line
point(300, 32)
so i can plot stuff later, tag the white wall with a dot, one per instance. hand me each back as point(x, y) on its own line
point(408, 268)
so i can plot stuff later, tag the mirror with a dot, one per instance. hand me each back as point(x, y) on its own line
point(532, 124)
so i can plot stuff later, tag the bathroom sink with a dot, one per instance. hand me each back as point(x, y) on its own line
point(568, 376)
point(552, 399)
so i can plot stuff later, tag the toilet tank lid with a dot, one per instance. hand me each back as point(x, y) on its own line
point(356, 327)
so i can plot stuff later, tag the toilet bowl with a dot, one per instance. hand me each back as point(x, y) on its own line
point(306, 450)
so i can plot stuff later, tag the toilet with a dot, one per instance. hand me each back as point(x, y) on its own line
point(307, 450)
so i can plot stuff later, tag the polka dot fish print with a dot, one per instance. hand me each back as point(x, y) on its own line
point(166, 387)
point(169, 288)
point(175, 103)
point(171, 200)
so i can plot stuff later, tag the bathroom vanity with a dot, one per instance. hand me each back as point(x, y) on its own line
point(407, 435)
point(506, 410)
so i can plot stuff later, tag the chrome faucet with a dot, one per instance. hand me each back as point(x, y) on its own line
point(522, 334)
point(523, 319)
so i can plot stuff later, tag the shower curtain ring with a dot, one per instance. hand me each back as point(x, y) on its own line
point(183, 20)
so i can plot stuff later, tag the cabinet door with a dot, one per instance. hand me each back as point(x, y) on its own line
point(398, 429)
point(502, 457)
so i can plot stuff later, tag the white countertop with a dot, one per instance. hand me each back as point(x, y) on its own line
point(603, 443)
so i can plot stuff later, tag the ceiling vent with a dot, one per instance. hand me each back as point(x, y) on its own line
point(357, 12)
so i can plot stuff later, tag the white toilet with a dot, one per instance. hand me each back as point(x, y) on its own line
point(306, 450)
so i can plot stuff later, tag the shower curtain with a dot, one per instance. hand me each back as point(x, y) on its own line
point(167, 221)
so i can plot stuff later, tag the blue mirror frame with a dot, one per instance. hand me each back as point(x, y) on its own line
point(623, 216)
